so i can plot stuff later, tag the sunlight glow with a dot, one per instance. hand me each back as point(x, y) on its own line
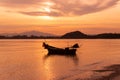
point(46, 6)
point(48, 3)
point(47, 10)
point(47, 17)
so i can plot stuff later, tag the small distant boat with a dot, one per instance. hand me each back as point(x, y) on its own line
point(61, 51)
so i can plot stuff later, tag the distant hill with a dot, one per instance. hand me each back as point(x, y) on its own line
point(70, 35)
point(36, 33)
point(80, 35)
point(75, 34)
point(29, 33)
point(108, 35)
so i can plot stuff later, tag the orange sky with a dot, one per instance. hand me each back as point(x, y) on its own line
point(60, 16)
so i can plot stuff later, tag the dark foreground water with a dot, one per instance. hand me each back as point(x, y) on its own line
point(26, 60)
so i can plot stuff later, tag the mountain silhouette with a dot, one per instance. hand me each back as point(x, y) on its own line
point(108, 35)
point(80, 35)
point(70, 35)
point(36, 33)
point(29, 33)
point(75, 34)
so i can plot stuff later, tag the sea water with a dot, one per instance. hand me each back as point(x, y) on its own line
point(27, 60)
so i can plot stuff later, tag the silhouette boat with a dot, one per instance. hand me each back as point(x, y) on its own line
point(61, 51)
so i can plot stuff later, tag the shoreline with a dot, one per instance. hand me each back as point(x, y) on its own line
point(114, 75)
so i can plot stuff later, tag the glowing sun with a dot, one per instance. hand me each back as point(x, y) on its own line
point(47, 9)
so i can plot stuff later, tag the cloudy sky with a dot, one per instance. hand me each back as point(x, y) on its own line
point(60, 16)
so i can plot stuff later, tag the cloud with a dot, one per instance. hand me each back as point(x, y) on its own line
point(81, 7)
point(37, 13)
point(58, 7)
point(18, 3)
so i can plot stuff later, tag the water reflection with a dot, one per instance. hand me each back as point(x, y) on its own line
point(55, 65)
point(73, 57)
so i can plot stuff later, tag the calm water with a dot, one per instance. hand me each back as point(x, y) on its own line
point(27, 60)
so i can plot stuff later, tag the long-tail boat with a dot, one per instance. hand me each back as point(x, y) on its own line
point(61, 51)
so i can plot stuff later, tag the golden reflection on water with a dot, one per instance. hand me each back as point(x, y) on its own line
point(48, 69)
point(50, 64)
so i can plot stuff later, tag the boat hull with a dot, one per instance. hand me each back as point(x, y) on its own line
point(62, 51)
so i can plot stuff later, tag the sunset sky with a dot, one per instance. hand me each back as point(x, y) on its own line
point(60, 16)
